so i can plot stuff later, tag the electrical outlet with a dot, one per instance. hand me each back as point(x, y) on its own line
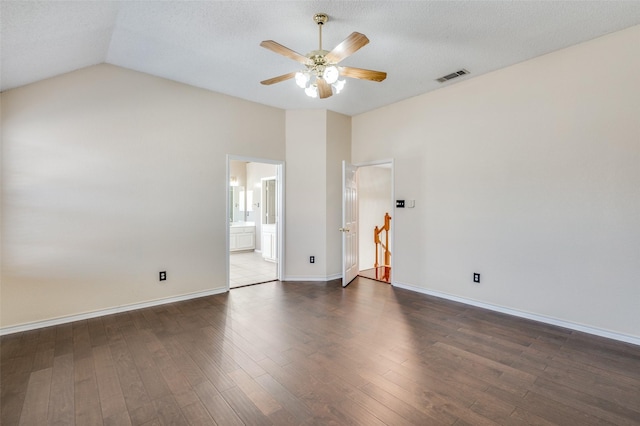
point(476, 277)
point(163, 275)
point(312, 259)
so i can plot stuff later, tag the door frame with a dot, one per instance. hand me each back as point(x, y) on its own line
point(280, 249)
point(392, 208)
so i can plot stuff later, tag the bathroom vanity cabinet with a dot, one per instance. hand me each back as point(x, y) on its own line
point(242, 236)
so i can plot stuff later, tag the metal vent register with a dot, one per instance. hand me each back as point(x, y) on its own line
point(452, 75)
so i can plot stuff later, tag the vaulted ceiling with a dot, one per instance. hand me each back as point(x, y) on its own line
point(215, 44)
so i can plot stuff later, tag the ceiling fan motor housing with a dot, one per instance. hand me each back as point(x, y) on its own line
point(320, 18)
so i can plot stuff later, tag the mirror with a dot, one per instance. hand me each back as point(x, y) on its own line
point(237, 203)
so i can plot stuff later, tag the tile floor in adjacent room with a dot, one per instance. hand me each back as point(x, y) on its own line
point(248, 267)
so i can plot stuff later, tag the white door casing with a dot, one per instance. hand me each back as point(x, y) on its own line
point(349, 223)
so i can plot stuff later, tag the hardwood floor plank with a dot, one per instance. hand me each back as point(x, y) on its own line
point(286, 399)
point(36, 402)
point(64, 339)
point(85, 389)
point(148, 371)
point(523, 417)
point(582, 381)
point(209, 365)
point(135, 395)
point(112, 401)
point(218, 408)
point(584, 401)
point(12, 403)
point(144, 414)
point(295, 381)
point(187, 367)
point(387, 414)
point(61, 398)
point(169, 412)
point(196, 415)
point(329, 407)
point(44, 356)
point(426, 401)
point(81, 340)
point(558, 412)
point(97, 333)
point(177, 383)
point(260, 398)
point(248, 412)
point(308, 353)
point(407, 411)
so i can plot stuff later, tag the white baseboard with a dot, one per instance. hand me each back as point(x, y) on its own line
point(314, 279)
point(522, 314)
point(109, 311)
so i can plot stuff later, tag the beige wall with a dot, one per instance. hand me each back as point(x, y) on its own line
point(317, 142)
point(305, 194)
point(109, 176)
point(530, 176)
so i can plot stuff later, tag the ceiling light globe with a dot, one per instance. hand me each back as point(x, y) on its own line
point(302, 79)
point(331, 74)
point(312, 91)
point(338, 86)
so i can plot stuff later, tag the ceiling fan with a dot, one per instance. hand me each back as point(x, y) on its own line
point(321, 77)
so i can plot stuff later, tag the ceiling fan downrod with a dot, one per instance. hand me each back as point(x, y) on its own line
point(320, 19)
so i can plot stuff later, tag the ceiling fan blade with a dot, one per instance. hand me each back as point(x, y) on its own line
point(324, 90)
point(348, 47)
point(278, 79)
point(285, 51)
point(363, 74)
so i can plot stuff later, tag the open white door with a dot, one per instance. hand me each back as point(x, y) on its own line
point(349, 223)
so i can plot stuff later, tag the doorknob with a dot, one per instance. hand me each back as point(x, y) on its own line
point(343, 229)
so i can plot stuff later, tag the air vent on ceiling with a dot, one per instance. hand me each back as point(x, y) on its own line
point(452, 75)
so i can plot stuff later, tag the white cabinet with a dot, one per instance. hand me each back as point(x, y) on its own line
point(269, 246)
point(242, 238)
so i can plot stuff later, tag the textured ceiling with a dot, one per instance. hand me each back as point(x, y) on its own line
point(215, 44)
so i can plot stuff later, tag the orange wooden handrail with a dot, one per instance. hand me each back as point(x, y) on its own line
point(376, 239)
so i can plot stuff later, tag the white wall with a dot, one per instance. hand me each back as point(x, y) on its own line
point(374, 200)
point(109, 176)
point(530, 176)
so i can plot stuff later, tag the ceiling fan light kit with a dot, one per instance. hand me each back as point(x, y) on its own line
point(321, 76)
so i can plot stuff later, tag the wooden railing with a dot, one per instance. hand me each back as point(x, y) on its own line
point(379, 245)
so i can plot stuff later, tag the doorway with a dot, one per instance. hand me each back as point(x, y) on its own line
point(375, 202)
point(255, 221)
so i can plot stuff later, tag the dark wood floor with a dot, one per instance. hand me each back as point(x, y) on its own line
point(313, 353)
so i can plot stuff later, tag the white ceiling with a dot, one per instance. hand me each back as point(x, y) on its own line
point(215, 44)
